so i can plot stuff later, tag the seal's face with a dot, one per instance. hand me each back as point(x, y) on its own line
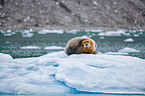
point(88, 46)
point(87, 43)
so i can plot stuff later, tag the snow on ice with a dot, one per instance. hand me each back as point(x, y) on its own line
point(5, 57)
point(136, 33)
point(129, 40)
point(45, 31)
point(58, 73)
point(127, 49)
point(54, 47)
point(47, 48)
point(30, 47)
point(27, 33)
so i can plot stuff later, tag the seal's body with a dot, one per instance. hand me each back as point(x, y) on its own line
point(80, 45)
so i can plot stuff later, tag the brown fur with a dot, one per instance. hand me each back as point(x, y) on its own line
point(78, 45)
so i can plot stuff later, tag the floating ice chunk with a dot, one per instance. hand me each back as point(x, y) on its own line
point(30, 47)
point(94, 30)
point(87, 30)
point(122, 30)
point(93, 34)
point(9, 30)
point(115, 33)
point(5, 57)
point(7, 34)
point(136, 35)
point(129, 40)
point(57, 73)
point(132, 31)
point(140, 33)
point(88, 33)
point(87, 36)
point(127, 49)
point(115, 53)
point(102, 37)
point(31, 30)
point(2, 31)
point(110, 33)
point(29, 76)
point(141, 30)
point(45, 31)
point(102, 73)
point(73, 31)
point(101, 34)
point(26, 33)
point(13, 32)
point(7, 42)
point(54, 47)
point(95, 3)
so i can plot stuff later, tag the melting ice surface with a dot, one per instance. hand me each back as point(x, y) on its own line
point(53, 47)
point(59, 73)
point(30, 47)
point(129, 40)
point(127, 49)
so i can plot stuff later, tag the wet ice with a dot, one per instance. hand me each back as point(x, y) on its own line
point(59, 73)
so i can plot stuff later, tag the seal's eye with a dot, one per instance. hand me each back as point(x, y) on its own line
point(84, 42)
point(87, 41)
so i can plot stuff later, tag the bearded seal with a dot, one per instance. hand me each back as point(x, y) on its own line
point(80, 45)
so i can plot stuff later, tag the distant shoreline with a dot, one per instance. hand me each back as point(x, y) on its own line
point(64, 28)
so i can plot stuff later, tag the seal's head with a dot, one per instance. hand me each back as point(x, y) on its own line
point(87, 43)
point(88, 46)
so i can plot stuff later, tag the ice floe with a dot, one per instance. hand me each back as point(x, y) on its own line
point(87, 36)
point(57, 73)
point(129, 40)
point(102, 73)
point(121, 32)
point(87, 30)
point(134, 33)
point(45, 31)
point(111, 33)
point(5, 57)
point(8, 33)
point(102, 37)
point(73, 31)
point(93, 30)
point(30, 47)
point(27, 33)
point(53, 47)
point(127, 49)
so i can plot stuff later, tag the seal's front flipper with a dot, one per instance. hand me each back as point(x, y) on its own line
point(96, 52)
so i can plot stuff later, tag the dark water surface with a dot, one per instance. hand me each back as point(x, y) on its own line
point(12, 44)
